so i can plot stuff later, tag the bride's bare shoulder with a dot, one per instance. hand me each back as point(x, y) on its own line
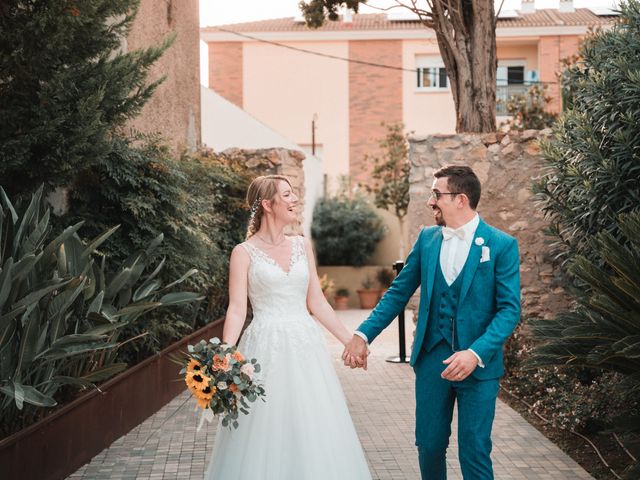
point(241, 252)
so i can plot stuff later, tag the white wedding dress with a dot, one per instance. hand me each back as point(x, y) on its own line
point(303, 430)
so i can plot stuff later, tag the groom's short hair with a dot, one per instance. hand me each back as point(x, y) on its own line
point(462, 179)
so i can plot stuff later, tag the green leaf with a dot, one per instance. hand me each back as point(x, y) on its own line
point(99, 240)
point(179, 297)
point(105, 373)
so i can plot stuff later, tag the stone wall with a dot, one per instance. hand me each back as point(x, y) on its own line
point(506, 164)
point(275, 161)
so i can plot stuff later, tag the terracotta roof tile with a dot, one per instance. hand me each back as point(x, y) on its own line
point(379, 21)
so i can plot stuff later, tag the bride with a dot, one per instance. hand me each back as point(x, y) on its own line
point(303, 430)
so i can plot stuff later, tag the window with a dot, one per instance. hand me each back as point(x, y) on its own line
point(432, 77)
point(510, 74)
point(431, 74)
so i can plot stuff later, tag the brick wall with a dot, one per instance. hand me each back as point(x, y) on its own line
point(375, 96)
point(551, 51)
point(225, 70)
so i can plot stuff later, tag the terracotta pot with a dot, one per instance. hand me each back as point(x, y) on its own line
point(341, 303)
point(368, 298)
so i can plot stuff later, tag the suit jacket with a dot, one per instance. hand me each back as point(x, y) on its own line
point(489, 303)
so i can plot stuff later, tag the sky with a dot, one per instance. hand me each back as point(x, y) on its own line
point(222, 12)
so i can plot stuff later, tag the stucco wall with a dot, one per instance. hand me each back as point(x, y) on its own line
point(284, 89)
point(506, 166)
point(174, 110)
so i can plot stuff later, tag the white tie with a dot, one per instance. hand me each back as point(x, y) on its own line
point(448, 233)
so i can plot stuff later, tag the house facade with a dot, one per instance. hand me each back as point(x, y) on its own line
point(331, 89)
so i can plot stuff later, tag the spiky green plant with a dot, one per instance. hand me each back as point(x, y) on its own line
point(603, 332)
point(61, 314)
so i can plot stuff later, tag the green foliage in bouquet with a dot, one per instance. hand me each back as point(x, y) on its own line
point(345, 231)
point(593, 164)
point(604, 331)
point(221, 379)
point(62, 313)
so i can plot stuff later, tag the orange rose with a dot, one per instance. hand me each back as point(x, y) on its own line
point(233, 388)
point(220, 363)
point(237, 356)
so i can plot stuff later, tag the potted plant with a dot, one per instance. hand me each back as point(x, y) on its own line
point(341, 299)
point(367, 294)
point(327, 285)
point(385, 277)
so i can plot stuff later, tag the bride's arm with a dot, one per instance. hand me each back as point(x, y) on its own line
point(237, 311)
point(318, 305)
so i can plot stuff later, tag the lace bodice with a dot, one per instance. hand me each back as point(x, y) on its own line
point(277, 295)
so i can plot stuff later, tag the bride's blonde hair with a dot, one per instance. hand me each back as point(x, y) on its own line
point(262, 188)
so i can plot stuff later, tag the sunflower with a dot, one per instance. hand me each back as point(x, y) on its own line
point(196, 380)
point(204, 395)
point(194, 365)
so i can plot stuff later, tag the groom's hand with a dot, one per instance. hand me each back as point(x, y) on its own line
point(355, 353)
point(460, 366)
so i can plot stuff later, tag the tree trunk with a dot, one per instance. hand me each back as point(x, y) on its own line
point(467, 41)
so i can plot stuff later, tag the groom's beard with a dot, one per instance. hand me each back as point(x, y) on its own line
point(437, 215)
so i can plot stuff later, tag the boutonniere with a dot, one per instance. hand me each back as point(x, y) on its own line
point(479, 241)
point(486, 254)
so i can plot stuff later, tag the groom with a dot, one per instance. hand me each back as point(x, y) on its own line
point(469, 304)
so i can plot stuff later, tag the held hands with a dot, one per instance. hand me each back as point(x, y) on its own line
point(460, 366)
point(355, 353)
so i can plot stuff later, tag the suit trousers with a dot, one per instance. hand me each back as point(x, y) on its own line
point(435, 398)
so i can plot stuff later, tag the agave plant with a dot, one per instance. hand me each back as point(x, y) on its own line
point(604, 331)
point(61, 312)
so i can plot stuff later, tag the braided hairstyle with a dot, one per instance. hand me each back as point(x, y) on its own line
point(262, 188)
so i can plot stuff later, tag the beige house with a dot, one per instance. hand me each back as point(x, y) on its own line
point(331, 89)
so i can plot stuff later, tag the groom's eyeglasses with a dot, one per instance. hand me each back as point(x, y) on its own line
point(437, 194)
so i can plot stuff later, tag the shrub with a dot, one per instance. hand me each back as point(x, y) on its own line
point(592, 162)
point(603, 332)
point(197, 203)
point(529, 111)
point(62, 315)
point(345, 231)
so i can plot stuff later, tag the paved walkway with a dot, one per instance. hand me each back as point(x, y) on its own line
point(167, 445)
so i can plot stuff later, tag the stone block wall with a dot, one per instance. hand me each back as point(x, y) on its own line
point(507, 164)
point(275, 161)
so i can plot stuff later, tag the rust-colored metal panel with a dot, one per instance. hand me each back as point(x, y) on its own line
point(62, 442)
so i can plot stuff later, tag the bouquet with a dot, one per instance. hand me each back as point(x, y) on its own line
point(221, 379)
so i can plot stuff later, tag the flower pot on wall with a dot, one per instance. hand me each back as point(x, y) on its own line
point(368, 298)
point(341, 302)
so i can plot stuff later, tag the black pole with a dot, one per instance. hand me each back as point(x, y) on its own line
point(402, 357)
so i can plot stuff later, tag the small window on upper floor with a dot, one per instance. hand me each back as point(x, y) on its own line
point(432, 78)
point(431, 74)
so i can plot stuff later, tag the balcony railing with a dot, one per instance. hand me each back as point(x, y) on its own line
point(504, 92)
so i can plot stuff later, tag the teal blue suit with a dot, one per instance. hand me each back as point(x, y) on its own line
point(484, 308)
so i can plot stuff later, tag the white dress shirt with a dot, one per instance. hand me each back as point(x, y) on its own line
point(455, 250)
point(453, 255)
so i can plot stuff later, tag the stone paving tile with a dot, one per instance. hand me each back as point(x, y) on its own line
point(167, 445)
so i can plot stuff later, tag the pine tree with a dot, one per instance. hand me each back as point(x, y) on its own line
point(66, 87)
